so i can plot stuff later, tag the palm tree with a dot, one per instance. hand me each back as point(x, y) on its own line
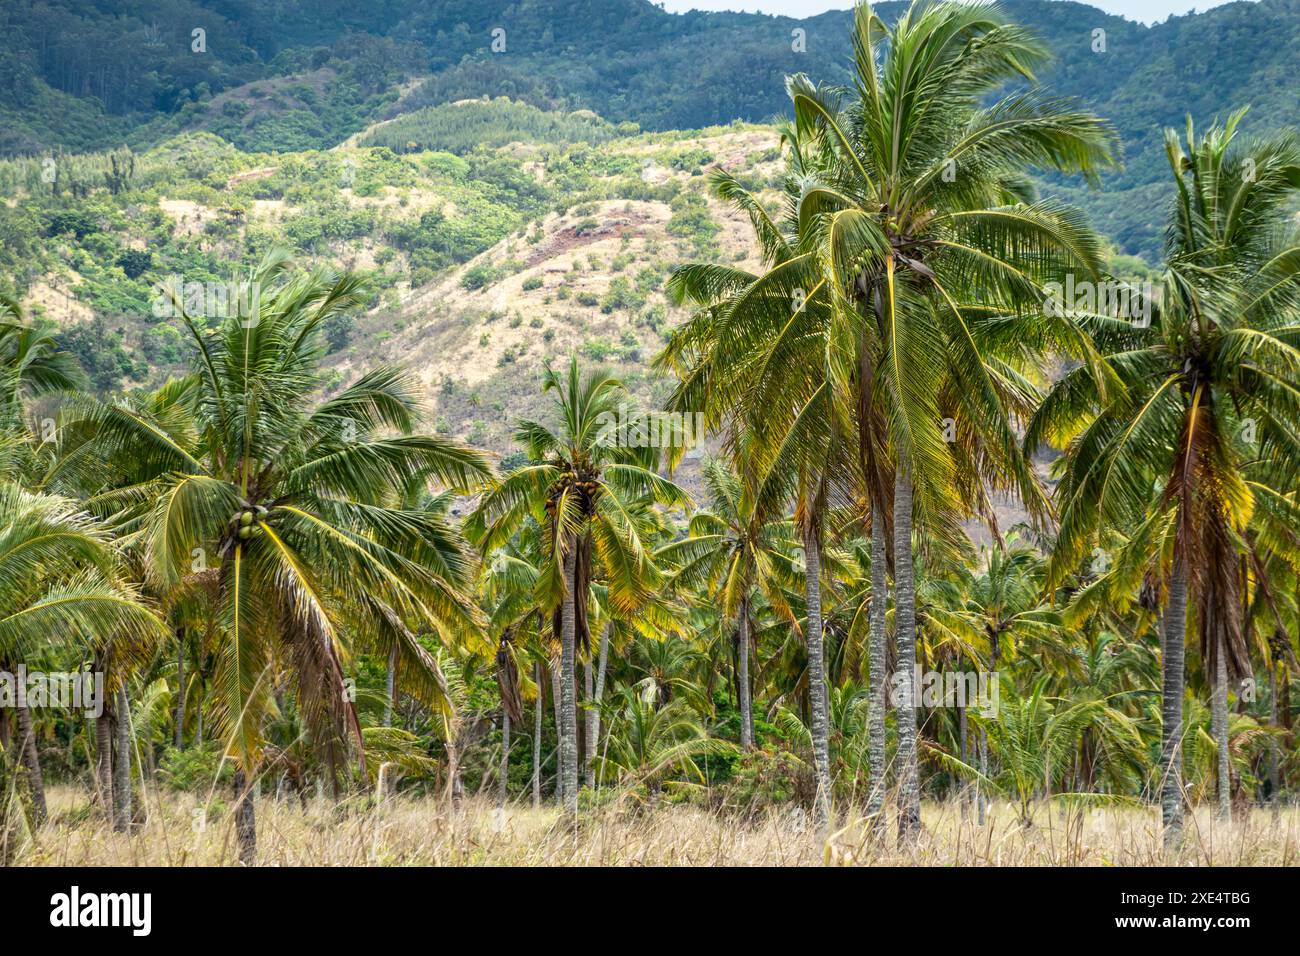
point(936, 261)
point(116, 481)
point(1004, 605)
point(584, 485)
point(31, 363)
point(1035, 738)
point(730, 553)
point(756, 361)
point(862, 603)
point(60, 580)
point(31, 367)
point(1169, 454)
point(287, 507)
point(907, 277)
point(661, 618)
point(648, 739)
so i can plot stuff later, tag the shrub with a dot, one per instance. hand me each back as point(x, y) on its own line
point(194, 769)
point(478, 277)
point(621, 295)
point(763, 779)
point(135, 262)
point(598, 350)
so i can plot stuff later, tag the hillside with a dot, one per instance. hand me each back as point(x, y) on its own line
point(288, 76)
point(496, 232)
point(482, 264)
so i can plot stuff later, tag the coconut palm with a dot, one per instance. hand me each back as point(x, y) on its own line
point(60, 581)
point(286, 506)
point(31, 363)
point(1035, 738)
point(913, 281)
point(1201, 434)
point(649, 739)
point(1005, 606)
point(662, 617)
point(756, 361)
point(586, 485)
point(936, 262)
point(728, 554)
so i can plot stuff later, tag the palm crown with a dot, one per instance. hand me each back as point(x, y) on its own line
point(291, 508)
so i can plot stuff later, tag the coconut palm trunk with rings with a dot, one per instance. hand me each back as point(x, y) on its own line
point(909, 791)
point(817, 676)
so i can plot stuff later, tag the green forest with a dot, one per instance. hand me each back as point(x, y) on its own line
point(265, 77)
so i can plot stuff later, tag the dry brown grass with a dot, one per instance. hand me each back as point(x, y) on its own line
point(429, 832)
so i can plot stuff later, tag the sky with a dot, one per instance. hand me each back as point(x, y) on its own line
point(1147, 11)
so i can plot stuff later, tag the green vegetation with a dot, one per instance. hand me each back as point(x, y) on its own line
point(271, 80)
point(464, 127)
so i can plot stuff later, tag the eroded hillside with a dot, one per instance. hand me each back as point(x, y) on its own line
point(484, 265)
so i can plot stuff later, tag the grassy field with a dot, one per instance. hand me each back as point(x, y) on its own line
point(426, 831)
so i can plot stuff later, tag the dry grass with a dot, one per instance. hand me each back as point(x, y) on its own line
point(429, 832)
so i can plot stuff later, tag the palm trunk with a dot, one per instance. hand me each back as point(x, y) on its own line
point(390, 687)
point(568, 680)
point(593, 711)
point(559, 735)
point(505, 757)
point(909, 788)
point(538, 711)
point(588, 723)
point(104, 761)
point(198, 715)
point(742, 678)
point(32, 761)
point(1171, 706)
point(457, 782)
point(1274, 661)
point(601, 664)
point(178, 721)
point(122, 768)
point(817, 679)
point(104, 746)
point(1284, 715)
point(877, 702)
point(1219, 720)
point(245, 819)
point(981, 798)
point(963, 753)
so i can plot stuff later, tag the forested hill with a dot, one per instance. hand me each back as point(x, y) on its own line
point(284, 75)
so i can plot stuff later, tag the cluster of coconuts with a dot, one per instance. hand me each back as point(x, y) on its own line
point(243, 522)
point(585, 483)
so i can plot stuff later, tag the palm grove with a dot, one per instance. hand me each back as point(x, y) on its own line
point(281, 590)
